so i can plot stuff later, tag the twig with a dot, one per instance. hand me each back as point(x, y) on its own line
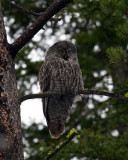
point(22, 9)
point(86, 92)
point(33, 96)
point(103, 93)
point(61, 146)
point(28, 11)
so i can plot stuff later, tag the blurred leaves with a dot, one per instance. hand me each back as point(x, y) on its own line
point(126, 94)
point(117, 55)
point(114, 8)
point(122, 30)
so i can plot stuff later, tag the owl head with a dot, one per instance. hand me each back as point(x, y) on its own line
point(62, 49)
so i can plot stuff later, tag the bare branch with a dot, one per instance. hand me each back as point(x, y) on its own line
point(37, 25)
point(61, 146)
point(86, 92)
point(28, 11)
point(22, 9)
point(103, 93)
point(33, 96)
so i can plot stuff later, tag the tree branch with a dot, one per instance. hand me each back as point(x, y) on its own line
point(22, 9)
point(61, 146)
point(28, 11)
point(86, 92)
point(33, 96)
point(103, 93)
point(37, 25)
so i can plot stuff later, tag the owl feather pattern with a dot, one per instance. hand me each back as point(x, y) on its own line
point(60, 75)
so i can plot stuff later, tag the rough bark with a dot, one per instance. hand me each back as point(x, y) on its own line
point(10, 121)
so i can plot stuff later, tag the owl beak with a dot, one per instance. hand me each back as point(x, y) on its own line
point(66, 57)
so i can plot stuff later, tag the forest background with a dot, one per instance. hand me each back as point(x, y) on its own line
point(100, 31)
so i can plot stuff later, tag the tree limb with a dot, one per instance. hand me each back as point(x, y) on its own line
point(22, 9)
point(37, 25)
point(61, 146)
point(86, 92)
point(28, 11)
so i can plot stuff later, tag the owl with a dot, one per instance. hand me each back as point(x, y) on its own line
point(61, 76)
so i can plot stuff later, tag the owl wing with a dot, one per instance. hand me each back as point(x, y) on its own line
point(44, 81)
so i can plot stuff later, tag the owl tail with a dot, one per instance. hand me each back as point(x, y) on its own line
point(57, 112)
point(56, 130)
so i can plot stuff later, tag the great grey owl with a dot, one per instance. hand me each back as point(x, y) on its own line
point(61, 76)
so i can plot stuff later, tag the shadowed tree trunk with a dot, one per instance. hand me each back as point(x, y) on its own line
point(10, 121)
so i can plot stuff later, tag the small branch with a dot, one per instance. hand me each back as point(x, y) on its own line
point(33, 96)
point(37, 25)
point(22, 9)
point(86, 92)
point(103, 93)
point(28, 11)
point(61, 146)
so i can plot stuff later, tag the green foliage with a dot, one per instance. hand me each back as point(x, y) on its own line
point(114, 8)
point(122, 30)
point(95, 144)
point(117, 55)
point(73, 130)
point(126, 94)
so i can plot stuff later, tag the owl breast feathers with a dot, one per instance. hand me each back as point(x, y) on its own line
point(60, 75)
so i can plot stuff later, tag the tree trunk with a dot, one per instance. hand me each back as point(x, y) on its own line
point(10, 121)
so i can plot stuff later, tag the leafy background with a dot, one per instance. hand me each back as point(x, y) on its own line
point(100, 31)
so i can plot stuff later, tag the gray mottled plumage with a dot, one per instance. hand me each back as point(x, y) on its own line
point(60, 74)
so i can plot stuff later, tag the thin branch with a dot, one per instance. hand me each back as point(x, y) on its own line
point(22, 9)
point(33, 96)
point(103, 93)
point(86, 92)
point(37, 25)
point(28, 11)
point(61, 146)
